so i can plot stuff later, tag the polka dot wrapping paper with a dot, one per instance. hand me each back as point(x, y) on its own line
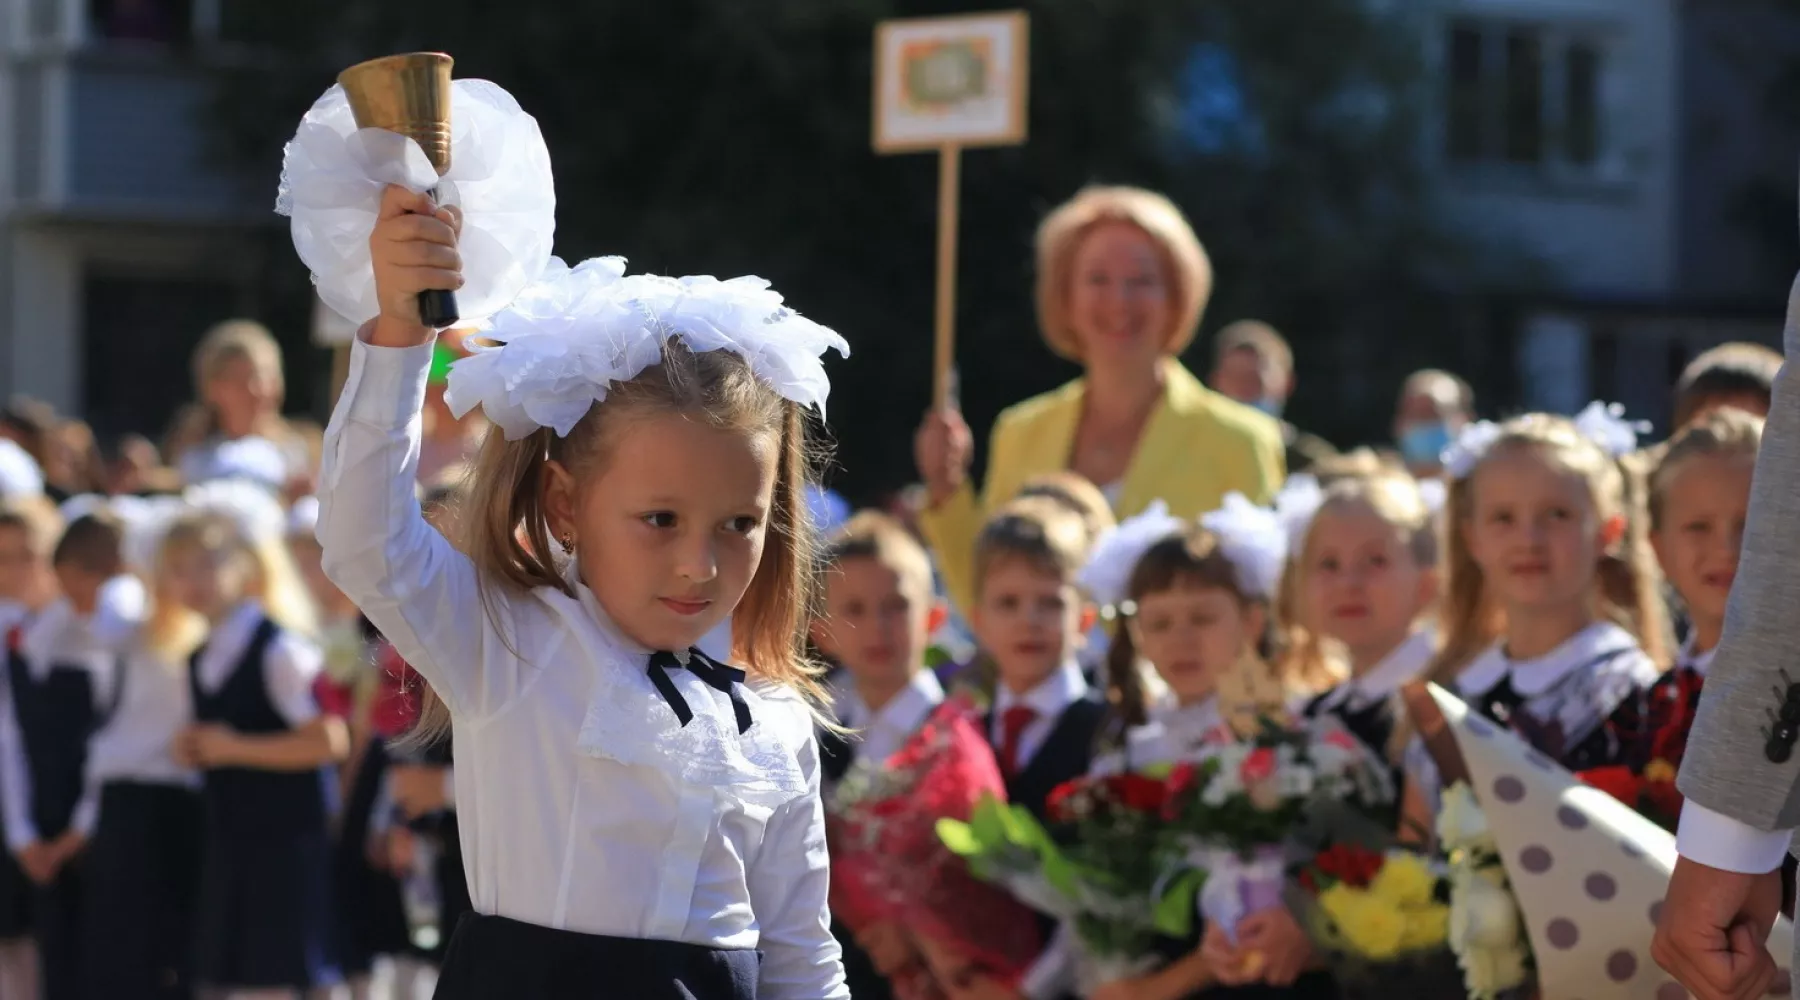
point(1588, 872)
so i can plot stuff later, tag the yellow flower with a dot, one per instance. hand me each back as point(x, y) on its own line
point(1339, 903)
point(1427, 927)
point(1659, 770)
point(1403, 881)
point(1370, 927)
point(1377, 931)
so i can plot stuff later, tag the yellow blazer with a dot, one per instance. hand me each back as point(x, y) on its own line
point(1197, 447)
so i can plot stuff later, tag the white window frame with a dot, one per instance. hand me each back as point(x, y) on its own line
point(1556, 38)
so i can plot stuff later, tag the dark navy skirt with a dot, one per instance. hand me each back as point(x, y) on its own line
point(15, 897)
point(371, 913)
point(264, 917)
point(56, 908)
point(496, 957)
point(138, 916)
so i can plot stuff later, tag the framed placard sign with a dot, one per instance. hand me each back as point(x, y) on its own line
point(943, 83)
point(951, 81)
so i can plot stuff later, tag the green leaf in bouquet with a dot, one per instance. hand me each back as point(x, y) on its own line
point(959, 837)
point(1174, 912)
point(989, 821)
point(1059, 871)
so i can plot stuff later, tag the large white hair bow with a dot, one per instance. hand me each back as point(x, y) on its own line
point(19, 472)
point(1107, 574)
point(1254, 540)
point(332, 176)
point(564, 342)
point(1605, 425)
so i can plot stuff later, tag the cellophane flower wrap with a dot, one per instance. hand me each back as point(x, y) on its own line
point(1100, 873)
point(333, 175)
point(1486, 930)
point(1380, 919)
point(889, 866)
point(1237, 817)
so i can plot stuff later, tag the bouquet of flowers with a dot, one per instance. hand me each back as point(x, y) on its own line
point(889, 866)
point(1654, 752)
point(1100, 875)
point(1650, 791)
point(1236, 811)
point(1554, 884)
point(1486, 929)
point(1381, 919)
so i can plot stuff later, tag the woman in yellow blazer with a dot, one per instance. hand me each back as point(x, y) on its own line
point(1122, 282)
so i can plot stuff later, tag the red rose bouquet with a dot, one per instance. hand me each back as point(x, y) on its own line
point(889, 867)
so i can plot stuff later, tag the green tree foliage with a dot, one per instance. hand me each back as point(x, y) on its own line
point(732, 136)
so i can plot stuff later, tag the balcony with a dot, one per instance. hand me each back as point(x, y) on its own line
point(114, 129)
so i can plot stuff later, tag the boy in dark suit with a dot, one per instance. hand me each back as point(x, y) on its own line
point(1030, 621)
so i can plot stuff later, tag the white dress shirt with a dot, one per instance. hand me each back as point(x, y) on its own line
point(1049, 699)
point(584, 803)
point(290, 667)
point(15, 775)
point(1537, 681)
point(1380, 682)
point(880, 734)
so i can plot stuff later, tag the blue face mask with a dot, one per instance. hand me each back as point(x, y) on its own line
point(1269, 405)
point(1423, 444)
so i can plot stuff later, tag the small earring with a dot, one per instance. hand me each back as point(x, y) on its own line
point(567, 541)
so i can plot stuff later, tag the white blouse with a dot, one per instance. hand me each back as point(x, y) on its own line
point(584, 803)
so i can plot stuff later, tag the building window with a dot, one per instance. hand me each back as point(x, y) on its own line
point(1523, 94)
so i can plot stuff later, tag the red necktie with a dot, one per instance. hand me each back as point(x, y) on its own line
point(1013, 722)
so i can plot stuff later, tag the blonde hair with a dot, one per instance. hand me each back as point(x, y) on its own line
point(1626, 579)
point(264, 569)
point(1362, 463)
point(38, 518)
point(227, 342)
point(1076, 492)
point(1059, 239)
point(1389, 494)
point(507, 532)
point(871, 534)
point(1037, 530)
point(1722, 433)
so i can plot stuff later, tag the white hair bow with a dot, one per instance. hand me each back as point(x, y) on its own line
point(1107, 575)
point(1605, 425)
point(1254, 540)
point(567, 339)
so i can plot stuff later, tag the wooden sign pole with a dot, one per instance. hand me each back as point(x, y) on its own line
point(949, 203)
point(946, 84)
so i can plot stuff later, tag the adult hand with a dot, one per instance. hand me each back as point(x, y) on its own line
point(943, 449)
point(1714, 932)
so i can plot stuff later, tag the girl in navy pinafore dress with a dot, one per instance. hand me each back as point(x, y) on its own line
point(143, 860)
point(264, 919)
point(28, 530)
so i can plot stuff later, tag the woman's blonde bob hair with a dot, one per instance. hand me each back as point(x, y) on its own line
point(1059, 237)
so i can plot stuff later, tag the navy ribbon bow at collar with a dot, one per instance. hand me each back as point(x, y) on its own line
point(711, 672)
